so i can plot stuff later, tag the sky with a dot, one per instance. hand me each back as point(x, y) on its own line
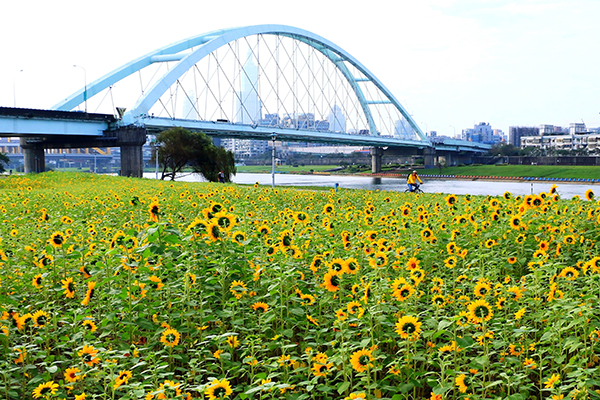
point(450, 63)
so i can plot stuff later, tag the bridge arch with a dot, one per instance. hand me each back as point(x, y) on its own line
point(204, 44)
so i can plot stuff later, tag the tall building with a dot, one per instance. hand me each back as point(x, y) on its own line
point(337, 120)
point(515, 133)
point(249, 107)
point(248, 112)
point(403, 130)
point(480, 133)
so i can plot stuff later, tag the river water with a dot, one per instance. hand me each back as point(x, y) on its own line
point(473, 187)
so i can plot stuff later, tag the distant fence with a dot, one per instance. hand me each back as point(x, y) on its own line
point(489, 177)
point(558, 160)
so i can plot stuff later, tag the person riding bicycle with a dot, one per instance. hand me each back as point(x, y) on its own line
point(411, 181)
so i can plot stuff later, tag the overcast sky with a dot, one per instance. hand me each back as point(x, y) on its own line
point(451, 63)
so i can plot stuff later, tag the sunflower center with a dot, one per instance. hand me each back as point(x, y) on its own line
point(335, 281)
point(482, 311)
point(409, 327)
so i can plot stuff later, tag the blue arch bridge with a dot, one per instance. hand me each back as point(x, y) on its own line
point(266, 82)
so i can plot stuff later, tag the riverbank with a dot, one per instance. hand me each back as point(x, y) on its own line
point(550, 173)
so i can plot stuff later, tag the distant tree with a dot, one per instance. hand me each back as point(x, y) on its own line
point(213, 160)
point(4, 161)
point(504, 149)
point(180, 148)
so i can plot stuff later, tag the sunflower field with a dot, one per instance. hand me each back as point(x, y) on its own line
point(120, 288)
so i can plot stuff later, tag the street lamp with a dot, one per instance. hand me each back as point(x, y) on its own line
point(156, 146)
point(84, 86)
point(273, 138)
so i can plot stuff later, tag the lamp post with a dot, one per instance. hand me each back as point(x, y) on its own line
point(273, 138)
point(156, 146)
point(84, 86)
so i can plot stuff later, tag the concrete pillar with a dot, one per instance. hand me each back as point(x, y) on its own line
point(376, 156)
point(34, 158)
point(429, 157)
point(131, 139)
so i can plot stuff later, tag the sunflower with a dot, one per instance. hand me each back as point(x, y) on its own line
point(238, 289)
point(40, 318)
point(286, 238)
point(71, 375)
point(122, 378)
point(89, 325)
point(331, 281)
point(480, 311)
point(438, 300)
point(260, 306)
point(233, 341)
point(589, 195)
point(154, 210)
point(198, 227)
point(88, 355)
point(515, 292)
point(337, 264)
point(218, 389)
point(362, 360)
point(426, 234)
point(482, 289)
point(408, 327)
point(328, 208)
point(351, 266)
point(379, 259)
point(356, 396)
point(490, 243)
point(239, 237)
point(89, 293)
point(45, 390)
point(515, 222)
point(57, 239)
point(412, 263)
point(320, 369)
point(170, 337)
point(213, 231)
point(264, 230)
point(355, 308)
point(450, 262)
point(69, 287)
point(403, 293)
point(569, 273)
point(450, 200)
point(156, 282)
point(37, 281)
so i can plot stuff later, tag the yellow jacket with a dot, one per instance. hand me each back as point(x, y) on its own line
point(413, 178)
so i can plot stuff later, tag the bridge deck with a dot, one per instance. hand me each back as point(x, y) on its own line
point(28, 122)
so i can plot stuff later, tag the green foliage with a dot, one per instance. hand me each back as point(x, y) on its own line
point(179, 148)
point(197, 285)
point(4, 160)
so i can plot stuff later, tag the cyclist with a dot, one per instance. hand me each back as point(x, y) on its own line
point(411, 181)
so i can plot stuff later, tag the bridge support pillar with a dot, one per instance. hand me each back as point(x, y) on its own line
point(429, 157)
point(34, 158)
point(376, 156)
point(131, 139)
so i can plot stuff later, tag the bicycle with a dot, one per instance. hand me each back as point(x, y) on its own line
point(416, 190)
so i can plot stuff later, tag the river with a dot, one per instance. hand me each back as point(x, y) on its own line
point(477, 187)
